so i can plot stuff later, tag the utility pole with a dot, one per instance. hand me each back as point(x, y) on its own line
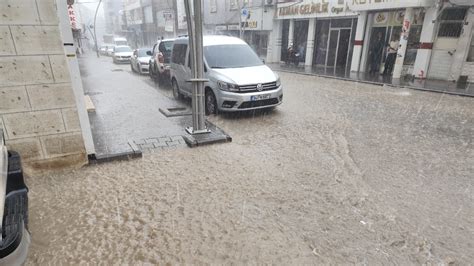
point(197, 63)
point(95, 32)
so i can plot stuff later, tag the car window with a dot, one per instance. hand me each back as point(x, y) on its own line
point(142, 52)
point(166, 46)
point(179, 53)
point(123, 49)
point(231, 56)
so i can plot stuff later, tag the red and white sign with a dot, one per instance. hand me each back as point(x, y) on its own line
point(72, 17)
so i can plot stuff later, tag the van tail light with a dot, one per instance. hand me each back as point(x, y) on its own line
point(161, 58)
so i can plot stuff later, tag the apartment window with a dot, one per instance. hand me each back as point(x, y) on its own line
point(452, 21)
point(470, 56)
point(213, 6)
point(233, 4)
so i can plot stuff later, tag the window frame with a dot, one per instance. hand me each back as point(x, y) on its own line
point(470, 54)
point(443, 21)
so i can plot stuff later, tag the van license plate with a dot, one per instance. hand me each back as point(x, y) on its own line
point(260, 97)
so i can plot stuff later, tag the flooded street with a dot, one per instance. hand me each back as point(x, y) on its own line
point(340, 173)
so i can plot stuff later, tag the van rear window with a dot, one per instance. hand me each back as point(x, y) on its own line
point(231, 56)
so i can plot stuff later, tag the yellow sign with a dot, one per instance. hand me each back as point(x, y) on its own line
point(304, 9)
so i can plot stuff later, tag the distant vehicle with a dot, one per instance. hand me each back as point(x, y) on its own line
point(108, 38)
point(238, 79)
point(122, 54)
point(120, 41)
point(110, 50)
point(140, 60)
point(160, 59)
point(104, 47)
point(14, 238)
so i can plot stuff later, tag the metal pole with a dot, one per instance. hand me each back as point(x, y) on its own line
point(95, 33)
point(197, 63)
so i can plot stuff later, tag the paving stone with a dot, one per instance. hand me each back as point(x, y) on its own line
point(172, 143)
point(146, 146)
point(176, 138)
point(164, 139)
point(160, 144)
point(151, 140)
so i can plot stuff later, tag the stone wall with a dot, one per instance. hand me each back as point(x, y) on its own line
point(37, 105)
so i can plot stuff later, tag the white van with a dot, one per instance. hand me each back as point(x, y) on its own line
point(120, 41)
point(238, 79)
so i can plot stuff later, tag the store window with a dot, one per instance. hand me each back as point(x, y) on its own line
point(452, 21)
point(470, 56)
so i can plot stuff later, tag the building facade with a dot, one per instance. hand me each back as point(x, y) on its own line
point(146, 21)
point(343, 37)
point(254, 26)
point(38, 108)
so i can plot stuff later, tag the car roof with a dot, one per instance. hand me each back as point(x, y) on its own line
point(209, 40)
point(118, 46)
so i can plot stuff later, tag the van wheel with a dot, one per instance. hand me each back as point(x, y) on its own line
point(211, 103)
point(176, 93)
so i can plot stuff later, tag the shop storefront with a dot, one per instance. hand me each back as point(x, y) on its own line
point(387, 28)
point(320, 32)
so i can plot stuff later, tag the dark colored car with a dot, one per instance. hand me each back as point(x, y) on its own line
point(160, 59)
point(15, 238)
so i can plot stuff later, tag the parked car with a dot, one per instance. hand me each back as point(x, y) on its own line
point(104, 47)
point(140, 59)
point(160, 59)
point(110, 50)
point(122, 54)
point(14, 238)
point(238, 79)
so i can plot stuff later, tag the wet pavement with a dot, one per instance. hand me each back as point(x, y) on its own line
point(448, 87)
point(127, 107)
point(340, 173)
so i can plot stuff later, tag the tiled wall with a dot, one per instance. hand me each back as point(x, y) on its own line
point(37, 104)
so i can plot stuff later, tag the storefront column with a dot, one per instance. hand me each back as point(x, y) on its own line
point(365, 48)
point(428, 34)
point(274, 42)
point(291, 32)
point(310, 42)
point(359, 41)
point(397, 70)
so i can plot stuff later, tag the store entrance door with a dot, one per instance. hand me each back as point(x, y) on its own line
point(388, 34)
point(337, 56)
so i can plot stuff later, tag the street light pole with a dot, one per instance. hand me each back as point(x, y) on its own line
point(197, 63)
point(95, 33)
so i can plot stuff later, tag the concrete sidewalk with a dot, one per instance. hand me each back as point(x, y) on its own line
point(127, 113)
point(417, 84)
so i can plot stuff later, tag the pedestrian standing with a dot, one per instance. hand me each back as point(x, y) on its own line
point(376, 54)
point(391, 55)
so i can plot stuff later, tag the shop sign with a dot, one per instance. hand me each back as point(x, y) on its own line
point(221, 27)
point(252, 24)
point(312, 8)
point(361, 5)
point(72, 17)
point(233, 27)
point(381, 18)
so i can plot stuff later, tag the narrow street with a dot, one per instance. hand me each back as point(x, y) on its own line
point(340, 173)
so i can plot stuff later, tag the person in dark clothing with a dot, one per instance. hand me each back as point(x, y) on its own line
point(376, 54)
point(392, 50)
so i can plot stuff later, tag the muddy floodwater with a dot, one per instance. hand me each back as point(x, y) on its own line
point(341, 173)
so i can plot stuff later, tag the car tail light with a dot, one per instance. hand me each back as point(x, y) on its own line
point(161, 58)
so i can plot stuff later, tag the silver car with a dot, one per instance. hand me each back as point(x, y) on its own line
point(238, 79)
point(140, 59)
